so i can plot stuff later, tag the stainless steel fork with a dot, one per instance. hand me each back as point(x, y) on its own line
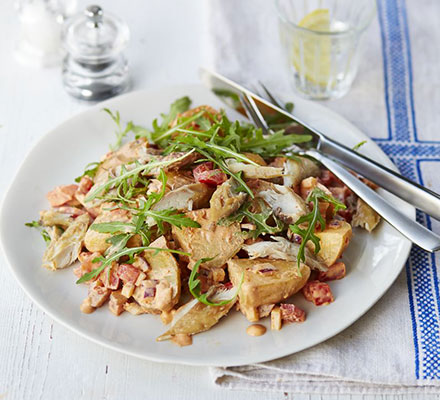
point(415, 232)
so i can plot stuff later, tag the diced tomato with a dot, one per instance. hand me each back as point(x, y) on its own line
point(340, 193)
point(128, 273)
point(328, 179)
point(334, 272)
point(318, 293)
point(111, 281)
point(86, 259)
point(292, 313)
point(205, 173)
point(98, 294)
point(228, 285)
point(346, 214)
point(61, 195)
point(85, 184)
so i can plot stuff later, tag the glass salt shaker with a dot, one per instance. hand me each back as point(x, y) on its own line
point(39, 42)
point(94, 67)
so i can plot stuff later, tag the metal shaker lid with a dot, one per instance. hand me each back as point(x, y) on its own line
point(94, 36)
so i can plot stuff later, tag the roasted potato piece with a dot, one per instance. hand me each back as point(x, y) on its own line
point(225, 200)
point(334, 240)
point(96, 241)
point(254, 171)
point(186, 198)
point(163, 277)
point(195, 317)
point(365, 216)
point(210, 240)
point(265, 282)
point(308, 184)
point(64, 250)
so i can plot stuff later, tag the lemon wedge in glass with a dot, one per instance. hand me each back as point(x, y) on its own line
point(311, 51)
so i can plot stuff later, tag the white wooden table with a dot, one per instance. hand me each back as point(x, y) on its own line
point(40, 359)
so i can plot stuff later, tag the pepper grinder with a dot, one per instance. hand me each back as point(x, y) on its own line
point(94, 67)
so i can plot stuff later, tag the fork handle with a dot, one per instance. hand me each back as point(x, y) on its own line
point(415, 194)
point(415, 232)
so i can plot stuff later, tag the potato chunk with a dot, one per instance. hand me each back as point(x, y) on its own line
point(334, 240)
point(97, 241)
point(265, 282)
point(210, 240)
point(194, 317)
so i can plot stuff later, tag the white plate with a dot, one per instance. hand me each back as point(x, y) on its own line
point(373, 261)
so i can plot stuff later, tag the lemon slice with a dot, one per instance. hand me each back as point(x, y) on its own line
point(311, 52)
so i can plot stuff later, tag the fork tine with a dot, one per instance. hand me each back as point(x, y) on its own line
point(254, 112)
point(272, 97)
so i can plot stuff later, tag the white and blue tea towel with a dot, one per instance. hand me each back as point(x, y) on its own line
point(395, 347)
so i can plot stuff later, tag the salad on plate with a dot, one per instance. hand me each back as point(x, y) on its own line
point(200, 215)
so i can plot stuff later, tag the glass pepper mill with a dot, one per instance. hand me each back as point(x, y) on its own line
point(94, 67)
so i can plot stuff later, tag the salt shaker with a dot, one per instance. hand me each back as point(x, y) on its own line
point(94, 67)
point(39, 42)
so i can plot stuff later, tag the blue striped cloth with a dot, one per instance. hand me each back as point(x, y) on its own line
point(411, 154)
point(395, 348)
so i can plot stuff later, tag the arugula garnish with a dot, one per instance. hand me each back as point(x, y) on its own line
point(45, 235)
point(162, 130)
point(359, 145)
point(133, 173)
point(312, 219)
point(90, 171)
point(259, 219)
point(120, 133)
point(194, 286)
point(130, 252)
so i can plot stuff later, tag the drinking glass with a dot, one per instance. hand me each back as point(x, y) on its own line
point(321, 40)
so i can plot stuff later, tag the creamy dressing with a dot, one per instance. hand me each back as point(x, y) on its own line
point(256, 330)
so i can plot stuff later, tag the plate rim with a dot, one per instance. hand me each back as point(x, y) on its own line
point(166, 358)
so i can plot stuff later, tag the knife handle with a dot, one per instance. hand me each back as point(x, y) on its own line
point(415, 232)
point(415, 194)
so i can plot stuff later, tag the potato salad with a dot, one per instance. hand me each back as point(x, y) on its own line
point(198, 217)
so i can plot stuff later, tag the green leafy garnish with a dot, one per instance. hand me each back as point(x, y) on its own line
point(259, 219)
point(312, 219)
point(359, 145)
point(112, 227)
point(139, 224)
point(90, 171)
point(45, 235)
point(194, 286)
point(131, 252)
point(120, 133)
point(162, 130)
point(125, 175)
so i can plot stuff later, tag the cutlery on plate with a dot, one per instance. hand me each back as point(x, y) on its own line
point(414, 231)
point(415, 194)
